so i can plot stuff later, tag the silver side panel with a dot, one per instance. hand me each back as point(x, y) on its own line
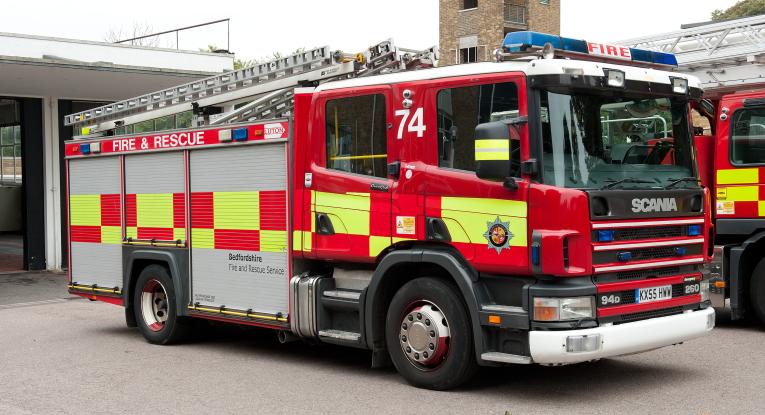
point(95, 263)
point(155, 173)
point(94, 176)
point(303, 298)
point(236, 278)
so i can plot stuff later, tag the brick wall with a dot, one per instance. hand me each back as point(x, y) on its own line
point(487, 24)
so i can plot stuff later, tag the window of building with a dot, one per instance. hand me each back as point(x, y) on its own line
point(357, 135)
point(460, 110)
point(469, 4)
point(468, 55)
point(747, 137)
point(10, 142)
point(545, 2)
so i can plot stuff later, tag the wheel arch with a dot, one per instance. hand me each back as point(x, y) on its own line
point(137, 260)
point(398, 267)
point(743, 260)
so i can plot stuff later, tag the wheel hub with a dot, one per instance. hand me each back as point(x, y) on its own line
point(154, 305)
point(425, 335)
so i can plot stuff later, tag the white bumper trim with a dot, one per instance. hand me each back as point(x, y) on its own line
point(549, 347)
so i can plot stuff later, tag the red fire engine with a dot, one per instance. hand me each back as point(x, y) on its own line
point(731, 155)
point(444, 218)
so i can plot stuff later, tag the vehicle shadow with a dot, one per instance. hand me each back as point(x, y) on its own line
point(723, 321)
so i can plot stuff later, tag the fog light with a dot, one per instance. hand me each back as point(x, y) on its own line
point(581, 344)
point(679, 85)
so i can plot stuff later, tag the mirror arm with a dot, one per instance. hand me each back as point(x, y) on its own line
point(510, 184)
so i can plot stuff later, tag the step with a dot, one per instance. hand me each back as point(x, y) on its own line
point(503, 308)
point(340, 335)
point(343, 295)
point(506, 358)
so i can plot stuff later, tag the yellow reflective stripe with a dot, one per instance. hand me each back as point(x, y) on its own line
point(372, 156)
point(273, 241)
point(131, 232)
point(154, 210)
point(396, 239)
point(307, 240)
point(297, 240)
point(202, 238)
point(492, 150)
point(236, 210)
point(237, 313)
point(738, 176)
point(179, 234)
point(455, 230)
point(91, 288)
point(476, 225)
point(761, 208)
point(357, 201)
point(489, 207)
point(347, 221)
point(377, 244)
point(85, 210)
point(111, 235)
point(743, 193)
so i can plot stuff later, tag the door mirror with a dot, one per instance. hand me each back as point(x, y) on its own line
point(492, 151)
point(707, 108)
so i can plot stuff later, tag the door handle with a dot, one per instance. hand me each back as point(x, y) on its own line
point(324, 224)
point(436, 230)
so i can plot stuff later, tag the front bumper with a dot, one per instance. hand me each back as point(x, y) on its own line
point(550, 347)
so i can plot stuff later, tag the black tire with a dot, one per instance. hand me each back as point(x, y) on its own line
point(459, 364)
point(757, 291)
point(174, 329)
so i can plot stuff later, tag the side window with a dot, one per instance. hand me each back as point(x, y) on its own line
point(460, 110)
point(747, 136)
point(356, 135)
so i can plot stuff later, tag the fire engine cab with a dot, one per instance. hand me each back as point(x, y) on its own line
point(529, 210)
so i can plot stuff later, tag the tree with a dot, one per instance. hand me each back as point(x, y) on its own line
point(744, 8)
point(137, 30)
point(244, 63)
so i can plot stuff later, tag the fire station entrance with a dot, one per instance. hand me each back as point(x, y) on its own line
point(11, 187)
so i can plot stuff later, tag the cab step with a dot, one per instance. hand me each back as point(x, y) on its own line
point(506, 358)
point(345, 336)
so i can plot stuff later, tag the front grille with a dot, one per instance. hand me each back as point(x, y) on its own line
point(647, 273)
point(644, 315)
point(653, 253)
point(630, 234)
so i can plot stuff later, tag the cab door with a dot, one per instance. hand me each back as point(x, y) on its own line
point(484, 220)
point(348, 184)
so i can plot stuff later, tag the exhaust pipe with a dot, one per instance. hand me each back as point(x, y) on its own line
point(286, 337)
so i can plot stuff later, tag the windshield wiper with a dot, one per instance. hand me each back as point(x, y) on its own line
point(627, 180)
point(675, 182)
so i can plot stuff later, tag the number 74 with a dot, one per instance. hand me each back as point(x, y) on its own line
point(416, 125)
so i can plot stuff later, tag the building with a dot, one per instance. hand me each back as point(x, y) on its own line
point(470, 30)
point(41, 80)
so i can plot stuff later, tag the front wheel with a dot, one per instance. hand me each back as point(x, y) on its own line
point(757, 291)
point(429, 336)
point(154, 303)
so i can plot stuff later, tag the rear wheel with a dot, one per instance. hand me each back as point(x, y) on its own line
point(154, 303)
point(757, 291)
point(428, 335)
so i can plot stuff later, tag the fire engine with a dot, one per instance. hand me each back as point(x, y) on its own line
point(528, 210)
point(727, 57)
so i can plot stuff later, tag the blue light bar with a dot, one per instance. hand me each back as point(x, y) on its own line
point(694, 230)
point(606, 236)
point(524, 41)
point(624, 256)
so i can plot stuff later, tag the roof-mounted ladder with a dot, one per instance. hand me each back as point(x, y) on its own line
point(267, 85)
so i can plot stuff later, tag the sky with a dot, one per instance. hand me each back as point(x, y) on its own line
point(259, 28)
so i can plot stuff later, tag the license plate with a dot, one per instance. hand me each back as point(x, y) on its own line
point(651, 294)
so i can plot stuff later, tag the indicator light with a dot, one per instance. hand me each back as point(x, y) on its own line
point(224, 136)
point(85, 148)
point(535, 254)
point(495, 320)
point(239, 134)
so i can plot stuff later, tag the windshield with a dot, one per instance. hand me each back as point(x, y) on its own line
point(593, 141)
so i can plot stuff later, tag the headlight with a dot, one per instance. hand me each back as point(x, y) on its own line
point(704, 291)
point(561, 309)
